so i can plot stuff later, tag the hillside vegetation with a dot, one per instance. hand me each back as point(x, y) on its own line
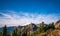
point(42, 29)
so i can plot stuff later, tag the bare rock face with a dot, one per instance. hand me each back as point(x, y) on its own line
point(57, 24)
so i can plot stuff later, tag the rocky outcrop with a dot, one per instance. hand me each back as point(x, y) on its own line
point(57, 24)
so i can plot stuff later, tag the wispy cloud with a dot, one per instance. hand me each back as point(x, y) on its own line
point(20, 18)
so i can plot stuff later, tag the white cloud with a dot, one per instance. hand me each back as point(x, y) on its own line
point(15, 19)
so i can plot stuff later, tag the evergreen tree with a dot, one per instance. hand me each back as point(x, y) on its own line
point(0, 33)
point(20, 33)
point(25, 32)
point(4, 31)
point(14, 32)
point(42, 27)
point(51, 25)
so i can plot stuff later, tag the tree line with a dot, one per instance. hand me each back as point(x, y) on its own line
point(40, 29)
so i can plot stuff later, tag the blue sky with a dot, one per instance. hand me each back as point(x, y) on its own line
point(36, 6)
point(35, 10)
